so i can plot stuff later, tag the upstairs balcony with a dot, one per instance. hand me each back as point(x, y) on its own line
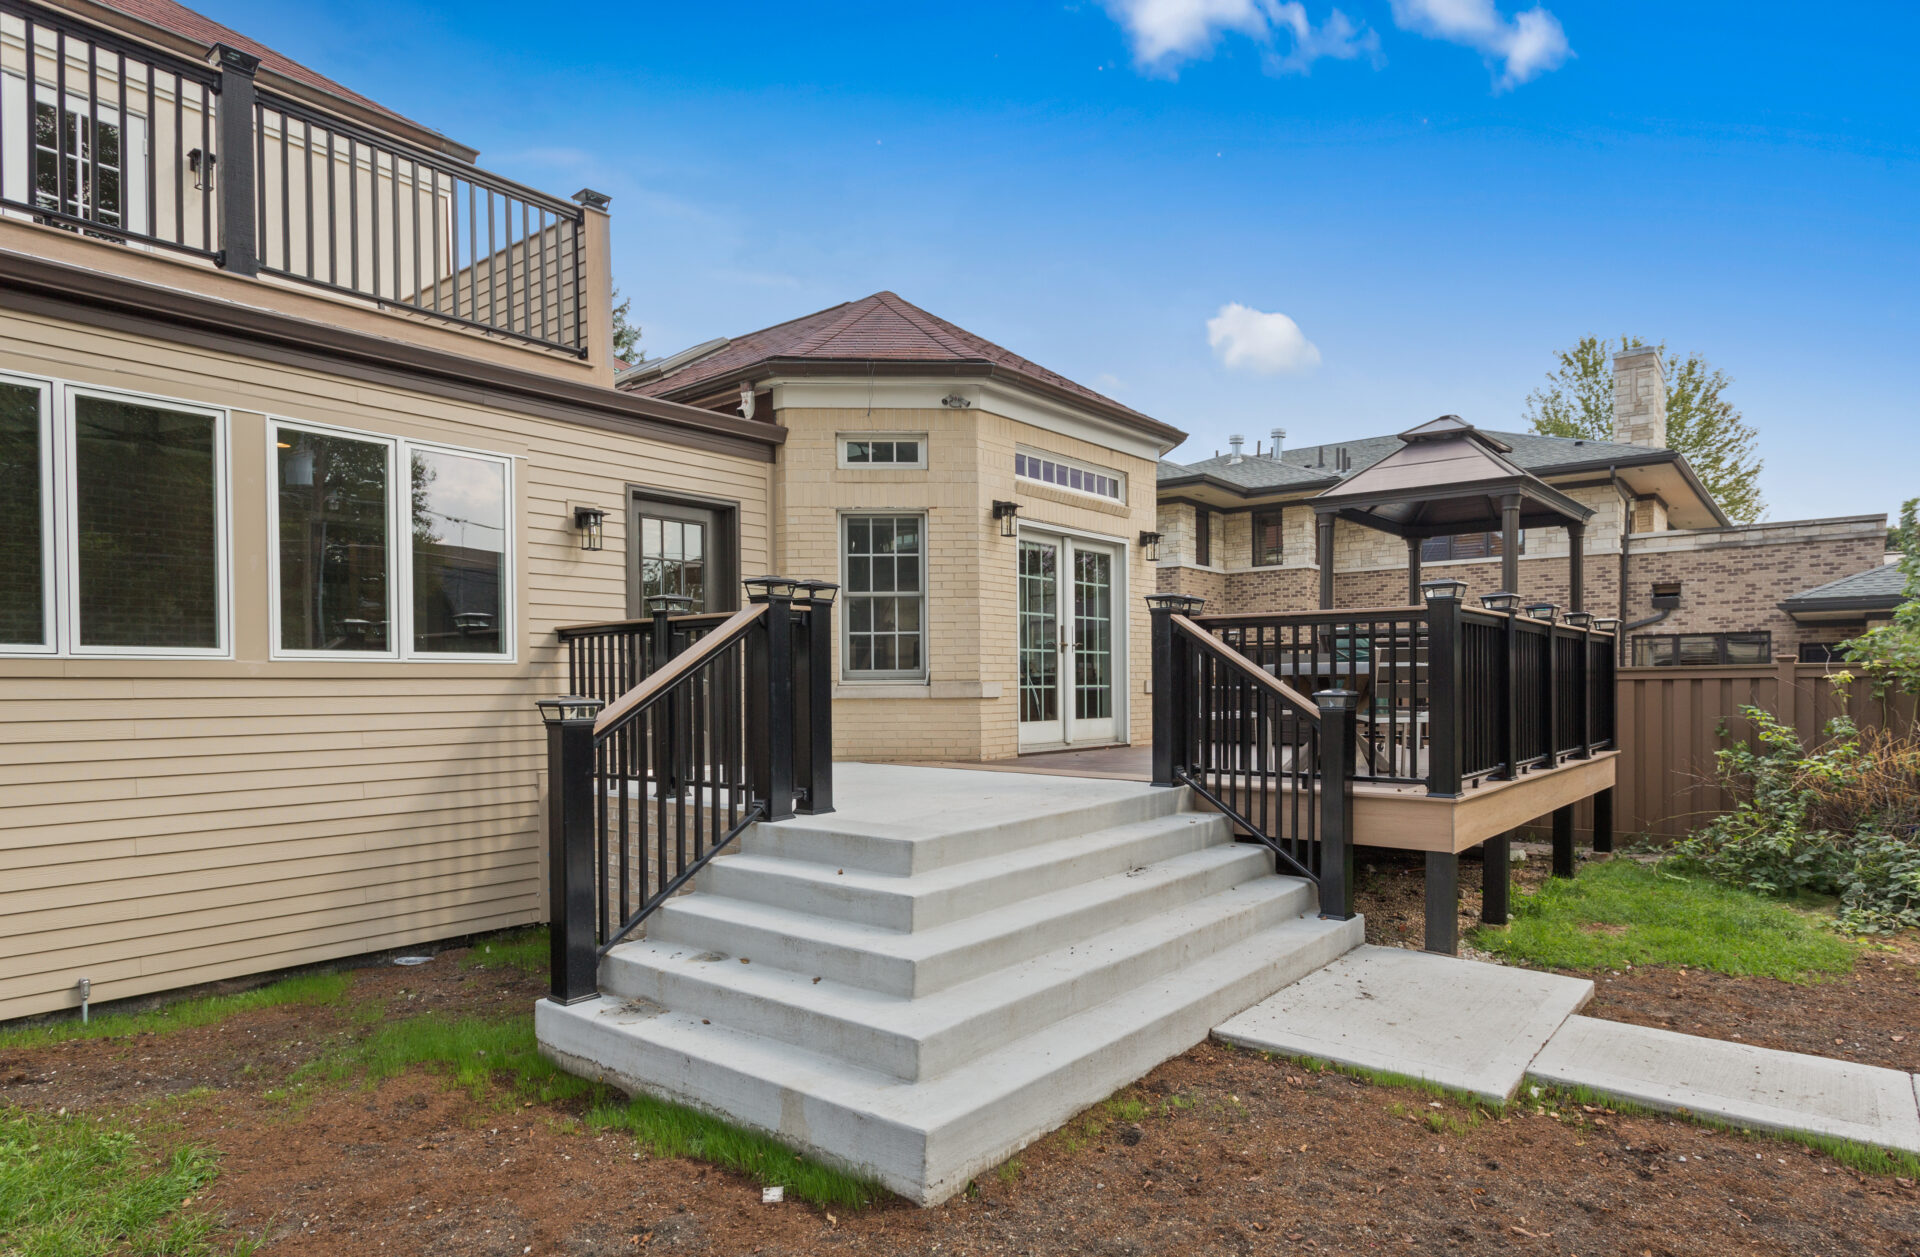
point(125, 144)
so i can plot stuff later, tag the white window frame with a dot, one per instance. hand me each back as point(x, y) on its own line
point(1118, 477)
point(51, 583)
point(71, 394)
point(840, 440)
point(897, 675)
point(399, 550)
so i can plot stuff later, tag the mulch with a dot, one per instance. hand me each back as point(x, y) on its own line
point(1236, 1153)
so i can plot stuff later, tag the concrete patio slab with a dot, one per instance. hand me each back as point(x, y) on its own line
point(1735, 1083)
point(1465, 1025)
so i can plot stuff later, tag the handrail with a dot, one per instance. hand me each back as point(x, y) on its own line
point(692, 619)
point(1254, 671)
point(643, 695)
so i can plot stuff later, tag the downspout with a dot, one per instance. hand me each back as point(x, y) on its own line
point(1626, 531)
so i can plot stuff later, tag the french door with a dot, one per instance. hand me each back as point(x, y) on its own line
point(1072, 667)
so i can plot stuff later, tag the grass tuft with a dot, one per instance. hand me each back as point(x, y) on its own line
point(526, 950)
point(70, 1187)
point(1621, 912)
point(306, 988)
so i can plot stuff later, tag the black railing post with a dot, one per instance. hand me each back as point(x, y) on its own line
point(572, 947)
point(770, 697)
point(233, 174)
point(1445, 663)
point(1171, 686)
point(813, 702)
point(1337, 749)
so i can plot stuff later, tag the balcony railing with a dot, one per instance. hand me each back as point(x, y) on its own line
point(125, 143)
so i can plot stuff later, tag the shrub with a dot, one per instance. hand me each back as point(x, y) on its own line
point(1842, 819)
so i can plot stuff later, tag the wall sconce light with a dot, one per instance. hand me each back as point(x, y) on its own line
point(1434, 590)
point(571, 707)
point(201, 164)
point(590, 522)
point(1543, 610)
point(1004, 512)
point(1150, 542)
point(1500, 601)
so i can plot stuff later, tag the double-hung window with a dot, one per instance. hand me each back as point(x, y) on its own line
point(389, 548)
point(113, 523)
point(885, 596)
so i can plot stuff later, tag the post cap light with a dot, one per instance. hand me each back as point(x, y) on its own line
point(1607, 624)
point(1579, 619)
point(820, 592)
point(762, 588)
point(590, 522)
point(1150, 543)
point(672, 604)
point(1500, 601)
point(1004, 512)
point(571, 707)
point(1543, 610)
point(1448, 588)
point(1336, 700)
point(1183, 604)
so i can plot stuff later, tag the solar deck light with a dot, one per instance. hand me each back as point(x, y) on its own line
point(1004, 512)
point(571, 707)
point(764, 588)
point(1579, 619)
point(672, 604)
point(1607, 624)
point(1448, 588)
point(1179, 604)
point(591, 523)
point(1543, 610)
point(1501, 601)
point(1150, 543)
point(819, 592)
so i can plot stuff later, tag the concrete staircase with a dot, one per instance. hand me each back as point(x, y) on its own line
point(953, 964)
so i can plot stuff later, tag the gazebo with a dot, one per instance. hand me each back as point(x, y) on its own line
point(1449, 478)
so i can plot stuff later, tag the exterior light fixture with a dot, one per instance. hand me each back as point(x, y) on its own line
point(1179, 604)
point(591, 523)
point(1579, 619)
point(1005, 512)
point(764, 588)
point(1150, 542)
point(669, 604)
point(1543, 610)
point(1607, 624)
point(571, 707)
point(1450, 588)
point(1501, 601)
point(818, 592)
point(201, 164)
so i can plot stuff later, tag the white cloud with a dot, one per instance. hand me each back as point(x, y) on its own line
point(1166, 33)
point(1270, 343)
point(1527, 45)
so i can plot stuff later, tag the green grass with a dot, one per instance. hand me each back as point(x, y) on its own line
point(1623, 912)
point(73, 1188)
point(481, 1053)
point(309, 988)
point(523, 949)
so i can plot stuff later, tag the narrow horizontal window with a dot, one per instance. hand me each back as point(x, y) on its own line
point(1065, 474)
point(892, 450)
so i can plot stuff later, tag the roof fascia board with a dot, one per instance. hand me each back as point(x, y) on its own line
point(1542, 493)
point(1796, 607)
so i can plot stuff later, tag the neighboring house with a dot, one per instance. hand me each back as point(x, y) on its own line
point(983, 515)
point(1845, 608)
point(1691, 586)
point(310, 442)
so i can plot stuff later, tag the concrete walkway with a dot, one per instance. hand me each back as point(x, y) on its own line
point(1485, 1029)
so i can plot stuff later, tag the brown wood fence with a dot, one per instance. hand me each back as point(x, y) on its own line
point(1671, 721)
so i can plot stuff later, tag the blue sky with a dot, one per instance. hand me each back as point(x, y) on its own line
point(1437, 193)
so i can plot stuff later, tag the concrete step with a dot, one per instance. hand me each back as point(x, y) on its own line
point(926, 961)
point(955, 891)
point(926, 1139)
point(922, 1038)
point(908, 822)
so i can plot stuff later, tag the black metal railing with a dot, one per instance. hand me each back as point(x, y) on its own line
point(731, 728)
point(123, 142)
point(1276, 763)
point(606, 660)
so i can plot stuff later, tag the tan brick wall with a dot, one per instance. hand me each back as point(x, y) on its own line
point(1732, 588)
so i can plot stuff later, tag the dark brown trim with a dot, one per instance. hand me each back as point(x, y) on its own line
point(56, 290)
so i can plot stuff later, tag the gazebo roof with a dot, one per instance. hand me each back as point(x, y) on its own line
point(1447, 477)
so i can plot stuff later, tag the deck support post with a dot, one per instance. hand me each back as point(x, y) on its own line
point(1563, 841)
point(1337, 748)
point(1496, 879)
point(1510, 543)
point(1603, 820)
point(1443, 903)
point(573, 953)
point(1413, 571)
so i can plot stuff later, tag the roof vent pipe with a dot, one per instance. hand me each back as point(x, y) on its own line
point(1234, 443)
point(1279, 439)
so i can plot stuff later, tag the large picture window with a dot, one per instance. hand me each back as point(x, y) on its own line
point(885, 596)
point(367, 565)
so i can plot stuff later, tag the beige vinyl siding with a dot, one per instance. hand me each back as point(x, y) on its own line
point(168, 822)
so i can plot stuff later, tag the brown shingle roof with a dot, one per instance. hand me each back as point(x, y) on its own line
point(184, 22)
point(882, 328)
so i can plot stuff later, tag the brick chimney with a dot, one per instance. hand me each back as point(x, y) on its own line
point(1640, 398)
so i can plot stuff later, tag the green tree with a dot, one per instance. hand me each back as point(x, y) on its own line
point(626, 334)
point(1702, 425)
point(1890, 652)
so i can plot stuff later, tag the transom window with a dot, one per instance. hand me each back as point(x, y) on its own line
point(1064, 473)
point(884, 450)
point(363, 567)
point(139, 487)
point(1689, 650)
point(885, 596)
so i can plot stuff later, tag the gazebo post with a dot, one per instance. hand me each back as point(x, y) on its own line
point(1510, 542)
point(1413, 571)
point(1325, 520)
point(1576, 566)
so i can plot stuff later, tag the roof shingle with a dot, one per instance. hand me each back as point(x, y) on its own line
point(1886, 581)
